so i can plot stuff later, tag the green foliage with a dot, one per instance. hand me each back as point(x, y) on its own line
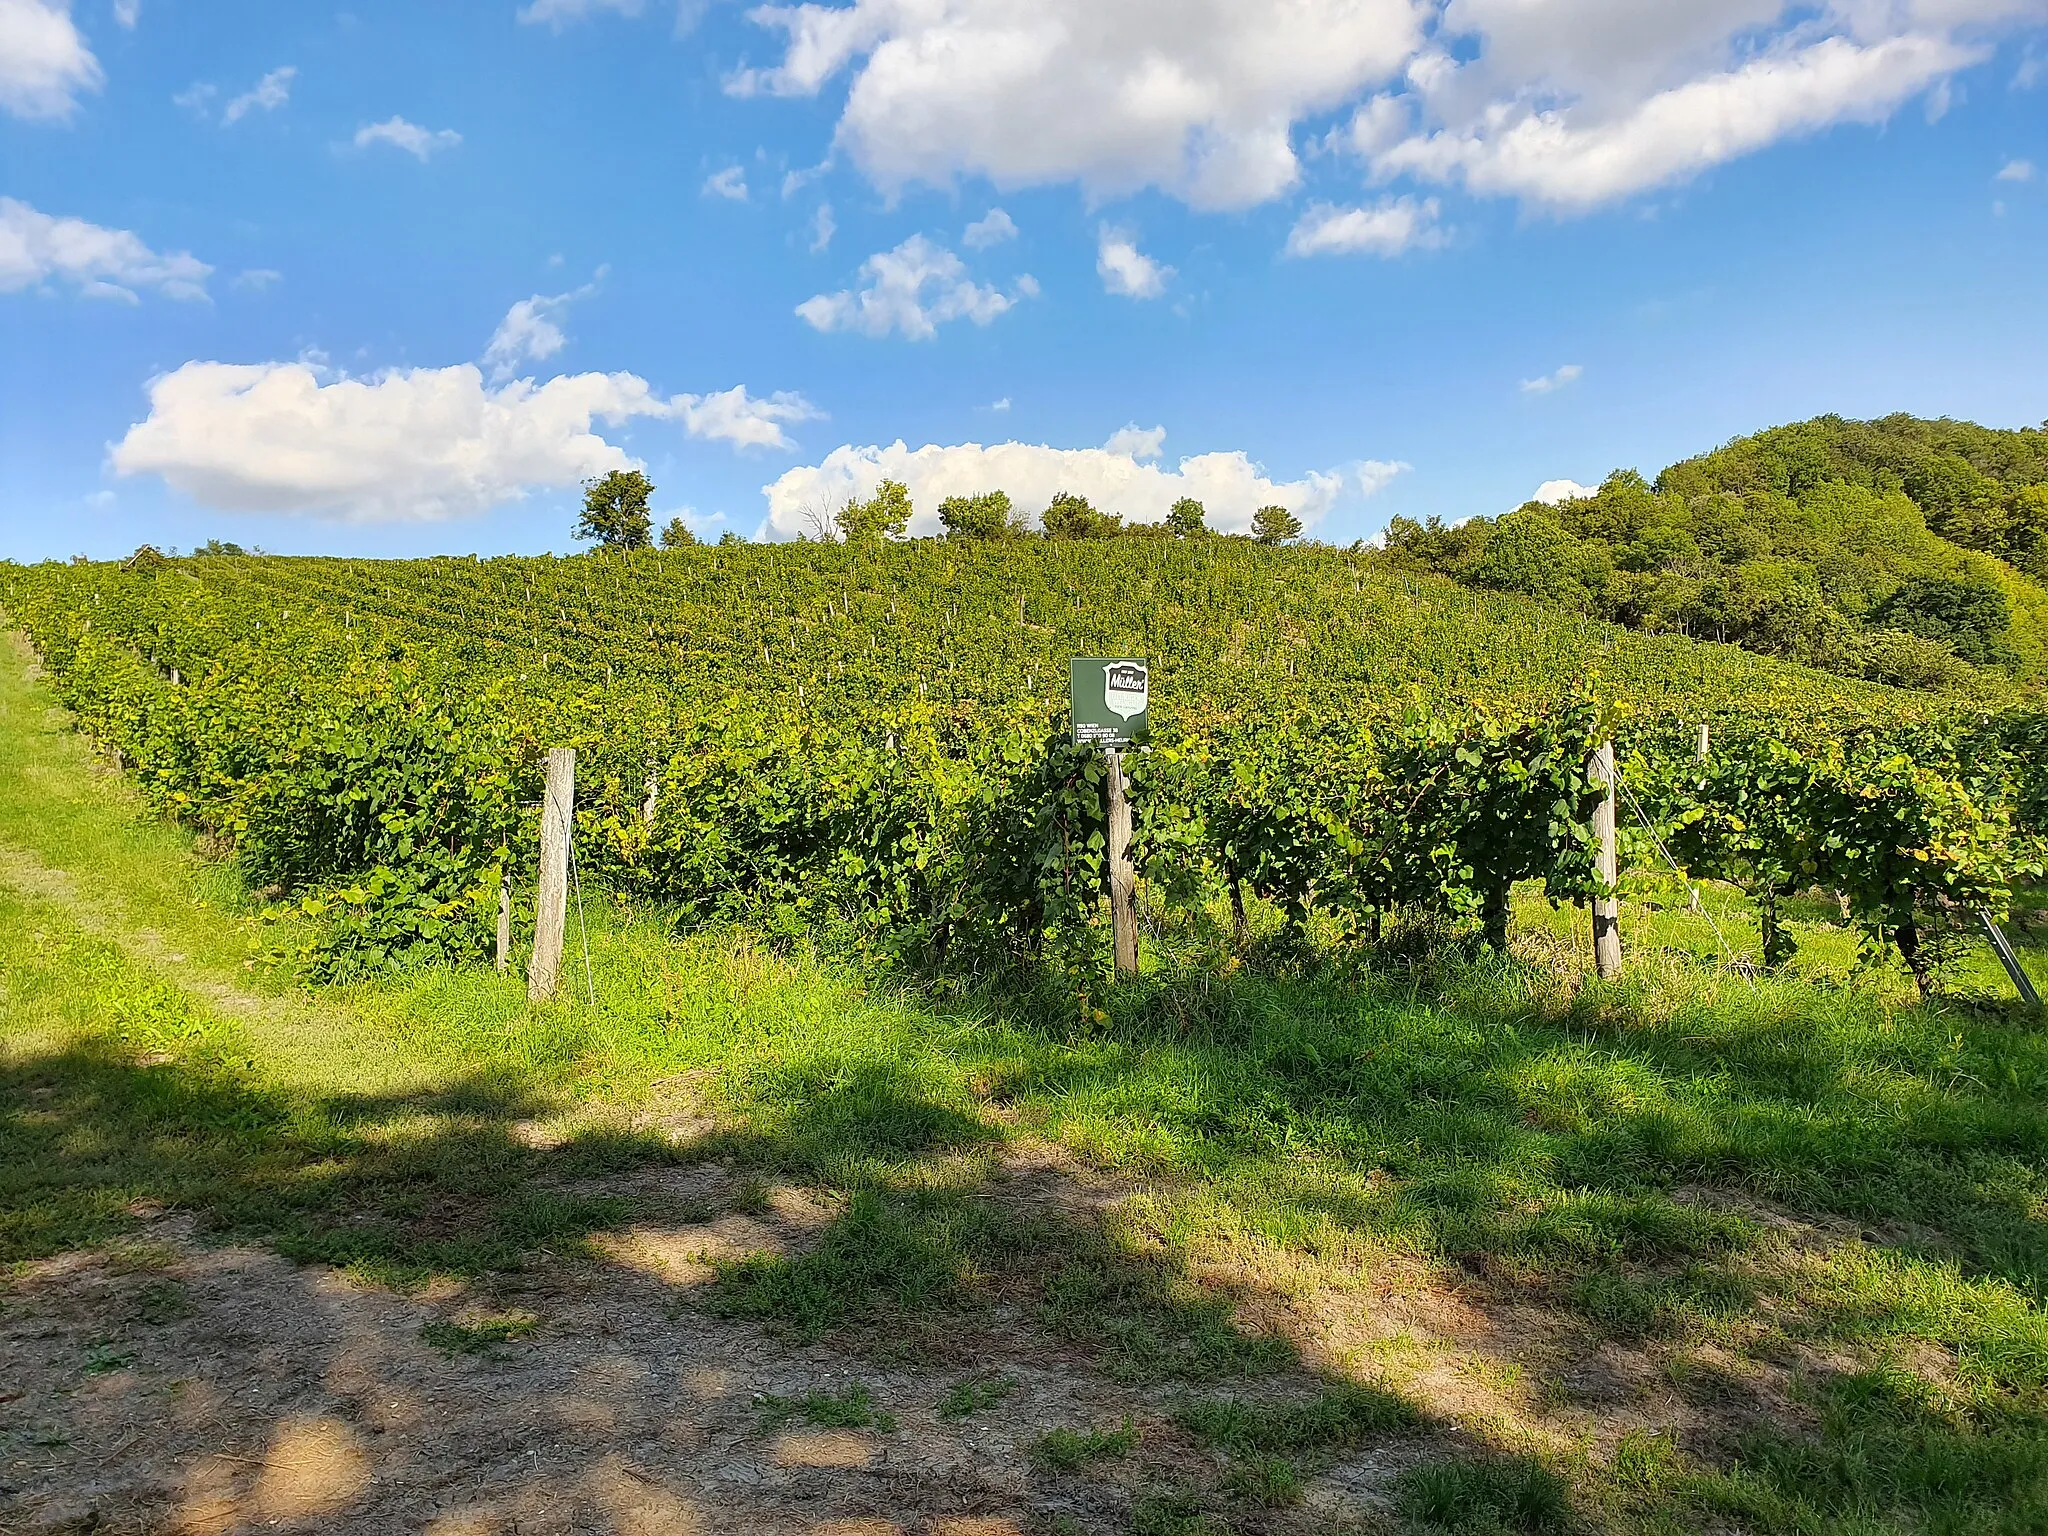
point(1069, 1450)
point(1507, 1495)
point(1068, 516)
point(615, 510)
point(987, 516)
point(480, 1336)
point(1342, 1416)
point(1275, 525)
point(884, 515)
point(1187, 519)
point(676, 534)
point(1824, 543)
point(973, 1395)
point(852, 1409)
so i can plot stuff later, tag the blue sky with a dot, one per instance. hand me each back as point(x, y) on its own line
point(395, 279)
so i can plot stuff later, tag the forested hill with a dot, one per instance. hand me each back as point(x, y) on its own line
point(1902, 550)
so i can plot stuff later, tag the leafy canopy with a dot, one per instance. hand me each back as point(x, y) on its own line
point(615, 510)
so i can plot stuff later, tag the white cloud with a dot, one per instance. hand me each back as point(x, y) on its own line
point(411, 445)
point(44, 62)
point(2016, 170)
point(1552, 381)
point(823, 228)
point(1229, 485)
point(729, 183)
point(1387, 228)
point(745, 421)
point(1551, 492)
point(421, 143)
point(196, 98)
point(37, 247)
point(914, 289)
point(1136, 442)
point(1196, 96)
point(1000, 405)
point(257, 279)
point(1375, 475)
point(531, 331)
point(1564, 104)
point(1126, 270)
point(992, 229)
point(560, 13)
point(1574, 157)
point(268, 94)
point(127, 13)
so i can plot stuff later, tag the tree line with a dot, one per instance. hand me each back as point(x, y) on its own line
point(617, 515)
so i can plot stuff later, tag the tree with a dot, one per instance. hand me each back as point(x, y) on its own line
point(1068, 516)
point(1969, 615)
point(677, 535)
point(987, 516)
point(615, 510)
point(730, 537)
point(883, 515)
point(1275, 525)
point(220, 547)
point(1188, 519)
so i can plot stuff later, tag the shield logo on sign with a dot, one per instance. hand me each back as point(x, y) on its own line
point(1124, 688)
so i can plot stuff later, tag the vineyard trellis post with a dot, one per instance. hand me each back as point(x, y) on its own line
point(551, 904)
point(1123, 876)
point(1606, 902)
point(504, 954)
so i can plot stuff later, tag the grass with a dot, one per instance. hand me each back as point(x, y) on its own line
point(486, 1336)
point(975, 1394)
point(1069, 1450)
point(1506, 1495)
point(852, 1409)
point(1687, 1165)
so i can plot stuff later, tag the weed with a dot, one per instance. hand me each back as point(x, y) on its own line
point(1268, 1480)
point(1179, 1513)
point(970, 1396)
point(852, 1409)
point(161, 1302)
point(1343, 1415)
point(105, 1356)
point(753, 1197)
point(485, 1336)
point(1069, 1450)
point(1509, 1494)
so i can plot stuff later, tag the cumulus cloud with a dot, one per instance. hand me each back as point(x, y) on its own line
point(2015, 170)
point(1564, 104)
point(1229, 485)
point(37, 248)
point(267, 95)
point(730, 183)
point(1573, 158)
point(410, 445)
point(1551, 492)
point(421, 143)
point(993, 228)
point(1125, 269)
point(1136, 442)
point(1195, 96)
point(1386, 228)
point(531, 331)
point(418, 444)
point(744, 420)
point(44, 63)
point(1552, 381)
point(913, 289)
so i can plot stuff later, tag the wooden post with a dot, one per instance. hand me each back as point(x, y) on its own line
point(1123, 877)
point(1704, 739)
point(1606, 907)
point(551, 906)
point(504, 920)
point(651, 806)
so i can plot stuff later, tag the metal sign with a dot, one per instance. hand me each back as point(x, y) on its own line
point(1109, 697)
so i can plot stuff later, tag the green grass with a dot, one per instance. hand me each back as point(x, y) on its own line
point(852, 1409)
point(1506, 1495)
point(485, 1336)
point(974, 1394)
point(1806, 1166)
point(1069, 1450)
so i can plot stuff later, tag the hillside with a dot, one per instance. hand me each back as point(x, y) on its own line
point(833, 631)
point(1905, 551)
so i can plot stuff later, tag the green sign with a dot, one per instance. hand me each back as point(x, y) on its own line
point(1109, 696)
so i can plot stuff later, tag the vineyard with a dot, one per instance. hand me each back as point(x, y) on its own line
point(870, 740)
